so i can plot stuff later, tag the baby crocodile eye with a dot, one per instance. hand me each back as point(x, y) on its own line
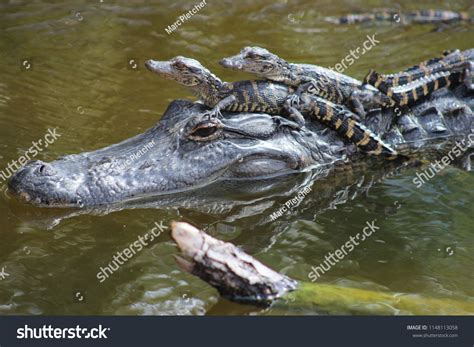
point(252, 55)
point(179, 65)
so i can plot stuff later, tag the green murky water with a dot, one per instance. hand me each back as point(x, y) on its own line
point(72, 65)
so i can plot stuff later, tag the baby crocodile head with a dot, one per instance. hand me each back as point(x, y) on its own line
point(186, 71)
point(258, 61)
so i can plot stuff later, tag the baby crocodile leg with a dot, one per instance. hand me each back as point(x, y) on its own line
point(356, 105)
point(215, 112)
point(468, 74)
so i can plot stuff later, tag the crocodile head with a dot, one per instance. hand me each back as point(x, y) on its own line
point(187, 72)
point(258, 61)
point(186, 150)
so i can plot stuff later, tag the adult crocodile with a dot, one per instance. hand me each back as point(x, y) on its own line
point(191, 150)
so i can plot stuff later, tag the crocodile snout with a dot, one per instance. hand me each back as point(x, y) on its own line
point(33, 169)
point(162, 68)
point(34, 181)
point(229, 63)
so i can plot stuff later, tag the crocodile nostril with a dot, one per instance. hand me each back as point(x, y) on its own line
point(46, 170)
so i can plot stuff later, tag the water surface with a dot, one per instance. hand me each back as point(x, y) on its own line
point(78, 66)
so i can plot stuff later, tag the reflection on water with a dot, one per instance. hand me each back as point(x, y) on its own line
point(78, 66)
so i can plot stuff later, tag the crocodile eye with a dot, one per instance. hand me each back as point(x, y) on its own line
point(195, 81)
point(204, 132)
point(179, 65)
point(189, 80)
point(253, 56)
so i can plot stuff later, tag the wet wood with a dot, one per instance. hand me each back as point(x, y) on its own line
point(235, 274)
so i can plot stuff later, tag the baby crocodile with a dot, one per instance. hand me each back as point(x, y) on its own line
point(454, 61)
point(424, 16)
point(244, 96)
point(328, 84)
point(264, 96)
point(408, 86)
point(341, 89)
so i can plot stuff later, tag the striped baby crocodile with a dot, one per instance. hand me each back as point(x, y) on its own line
point(409, 86)
point(424, 79)
point(265, 96)
point(326, 83)
point(423, 16)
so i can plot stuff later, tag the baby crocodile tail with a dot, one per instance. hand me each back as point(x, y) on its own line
point(410, 93)
point(341, 120)
point(455, 62)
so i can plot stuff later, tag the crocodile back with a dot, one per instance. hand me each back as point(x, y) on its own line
point(257, 96)
point(329, 80)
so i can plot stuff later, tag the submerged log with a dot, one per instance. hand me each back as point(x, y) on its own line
point(236, 275)
point(240, 277)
